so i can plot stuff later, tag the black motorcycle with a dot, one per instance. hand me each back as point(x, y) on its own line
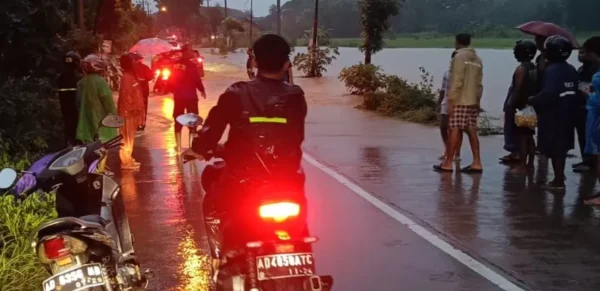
point(89, 246)
point(265, 244)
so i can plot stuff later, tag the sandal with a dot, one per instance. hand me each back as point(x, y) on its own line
point(471, 170)
point(509, 159)
point(438, 168)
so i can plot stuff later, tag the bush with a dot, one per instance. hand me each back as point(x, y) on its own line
point(19, 266)
point(30, 118)
point(315, 67)
point(392, 95)
point(361, 79)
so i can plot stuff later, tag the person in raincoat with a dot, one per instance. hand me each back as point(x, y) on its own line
point(144, 75)
point(592, 145)
point(131, 107)
point(67, 93)
point(94, 102)
point(555, 105)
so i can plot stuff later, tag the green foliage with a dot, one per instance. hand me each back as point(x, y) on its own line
point(375, 21)
point(392, 95)
point(29, 117)
point(361, 79)
point(19, 266)
point(315, 62)
point(84, 42)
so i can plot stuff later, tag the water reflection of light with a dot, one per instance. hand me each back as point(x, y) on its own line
point(167, 107)
point(196, 266)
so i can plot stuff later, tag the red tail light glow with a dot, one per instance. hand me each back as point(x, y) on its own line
point(56, 247)
point(166, 73)
point(279, 211)
point(200, 60)
point(157, 73)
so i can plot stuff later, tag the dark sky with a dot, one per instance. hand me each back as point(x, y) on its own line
point(261, 7)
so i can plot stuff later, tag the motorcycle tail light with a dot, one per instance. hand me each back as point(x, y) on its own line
point(200, 60)
point(279, 212)
point(60, 249)
point(157, 74)
point(166, 73)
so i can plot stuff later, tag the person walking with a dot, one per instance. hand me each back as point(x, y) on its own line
point(144, 75)
point(250, 64)
point(586, 71)
point(444, 119)
point(524, 85)
point(464, 97)
point(67, 94)
point(289, 73)
point(131, 108)
point(592, 91)
point(186, 81)
point(555, 107)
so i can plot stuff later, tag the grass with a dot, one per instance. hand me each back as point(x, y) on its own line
point(433, 41)
point(19, 266)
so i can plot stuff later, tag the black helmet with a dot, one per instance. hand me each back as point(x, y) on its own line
point(72, 58)
point(558, 48)
point(126, 62)
point(525, 50)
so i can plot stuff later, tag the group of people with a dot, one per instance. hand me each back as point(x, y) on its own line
point(565, 101)
point(86, 98)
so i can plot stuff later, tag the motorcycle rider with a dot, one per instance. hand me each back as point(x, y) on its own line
point(186, 79)
point(266, 118)
point(67, 93)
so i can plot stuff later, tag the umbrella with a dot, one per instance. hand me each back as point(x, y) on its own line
point(151, 46)
point(547, 29)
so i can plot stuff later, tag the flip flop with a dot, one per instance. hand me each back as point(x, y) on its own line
point(470, 170)
point(508, 159)
point(438, 168)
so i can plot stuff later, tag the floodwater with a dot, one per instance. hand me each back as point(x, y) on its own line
point(498, 65)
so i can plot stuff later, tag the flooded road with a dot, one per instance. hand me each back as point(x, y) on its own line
point(385, 220)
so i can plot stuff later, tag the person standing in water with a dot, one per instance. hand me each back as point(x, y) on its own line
point(67, 93)
point(555, 106)
point(592, 91)
point(144, 75)
point(444, 119)
point(250, 65)
point(524, 85)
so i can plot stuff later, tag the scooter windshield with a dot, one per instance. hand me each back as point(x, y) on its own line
point(28, 179)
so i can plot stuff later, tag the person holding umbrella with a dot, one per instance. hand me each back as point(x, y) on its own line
point(554, 105)
point(144, 75)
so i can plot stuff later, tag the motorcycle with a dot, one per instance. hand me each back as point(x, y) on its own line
point(265, 244)
point(89, 246)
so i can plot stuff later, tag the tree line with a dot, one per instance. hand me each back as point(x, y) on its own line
point(492, 18)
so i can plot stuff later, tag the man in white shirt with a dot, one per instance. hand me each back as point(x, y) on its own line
point(444, 118)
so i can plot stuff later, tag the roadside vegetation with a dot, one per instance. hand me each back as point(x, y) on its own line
point(314, 62)
point(36, 35)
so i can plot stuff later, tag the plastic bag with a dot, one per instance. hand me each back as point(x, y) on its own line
point(526, 117)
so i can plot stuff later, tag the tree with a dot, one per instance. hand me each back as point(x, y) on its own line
point(181, 13)
point(375, 20)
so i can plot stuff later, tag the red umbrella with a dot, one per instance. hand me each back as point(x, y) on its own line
point(547, 29)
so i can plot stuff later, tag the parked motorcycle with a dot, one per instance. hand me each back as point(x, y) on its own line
point(89, 246)
point(265, 244)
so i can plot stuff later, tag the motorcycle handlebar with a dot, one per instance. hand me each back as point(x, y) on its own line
point(114, 141)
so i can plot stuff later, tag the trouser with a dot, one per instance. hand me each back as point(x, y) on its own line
point(70, 116)
point(580, 122)
point(128, 131)
point(145, 96)
point(511, 137)
point(182, 106)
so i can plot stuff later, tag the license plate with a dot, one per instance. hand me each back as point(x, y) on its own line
point(284, 266)
point(76, 279)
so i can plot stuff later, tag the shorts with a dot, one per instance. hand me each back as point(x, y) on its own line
point(183, 106)
point(464, 116)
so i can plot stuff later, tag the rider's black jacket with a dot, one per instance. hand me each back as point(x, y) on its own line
point(266, 119)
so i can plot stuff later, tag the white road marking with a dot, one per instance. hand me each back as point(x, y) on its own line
point(435, 240)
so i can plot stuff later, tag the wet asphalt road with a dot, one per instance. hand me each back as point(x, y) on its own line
point(539, 240)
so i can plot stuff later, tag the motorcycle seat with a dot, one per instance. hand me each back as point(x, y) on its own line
point(94, 219)
point(69, 223)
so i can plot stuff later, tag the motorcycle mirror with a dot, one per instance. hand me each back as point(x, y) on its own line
point(189, 120)
point(113, 121)
point(8, 177)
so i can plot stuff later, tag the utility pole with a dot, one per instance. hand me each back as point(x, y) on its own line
point(315, 47)
point(251, 22)
point(279, 17)
point(80, 14)
point(225, 8)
